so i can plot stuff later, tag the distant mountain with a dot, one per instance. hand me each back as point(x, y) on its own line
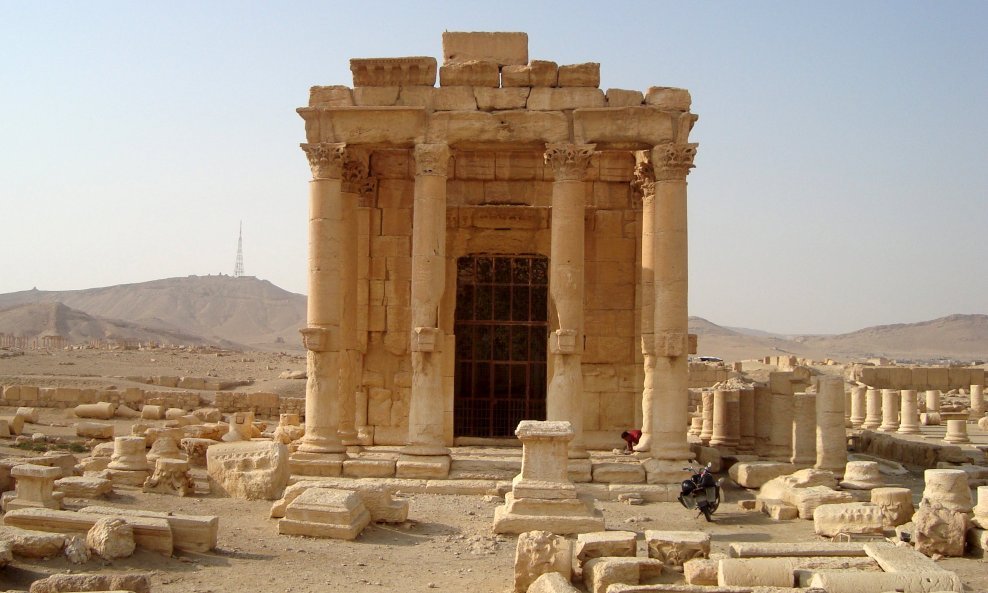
point(37, 320)
point(243, 310)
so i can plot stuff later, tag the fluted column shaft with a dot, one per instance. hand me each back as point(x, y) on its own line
point(425, 413)
point(322, 337)
point(670, 407)
point(564, 398)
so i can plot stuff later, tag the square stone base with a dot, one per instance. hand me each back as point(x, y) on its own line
point(557, 516)
point(325, 512)
point(428, 467)
point(324, 465)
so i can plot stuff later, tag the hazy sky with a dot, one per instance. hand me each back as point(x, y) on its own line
point(841, 180)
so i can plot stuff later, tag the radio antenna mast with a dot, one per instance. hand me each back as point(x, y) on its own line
point(238, 269)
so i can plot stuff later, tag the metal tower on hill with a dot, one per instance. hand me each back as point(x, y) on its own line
point(238, 269)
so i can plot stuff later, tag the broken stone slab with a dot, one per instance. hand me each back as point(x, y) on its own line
point(676, 547)
point(845, 581)
point(701, 571)
point(190, 533)
point(856, 518)
point(939, 530)
point(325, 513)
point(252, 470)
point(31, 544)
point(777, 509)
point(796, 549)
point(751, 572)
point(601, 573)
point(806, 500)
point(605, 543)
point(149, 533)
point(893, 558)
point(377, 497)
point(111, 538)
point(64, 583)
point(540, 552)
point(84, 487)
point(754, 474)
point(502, 48)
point(552, 582)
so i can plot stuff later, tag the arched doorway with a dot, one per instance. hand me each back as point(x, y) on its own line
point(501, 327)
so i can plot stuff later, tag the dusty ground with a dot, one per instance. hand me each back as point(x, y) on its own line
point(447, 544)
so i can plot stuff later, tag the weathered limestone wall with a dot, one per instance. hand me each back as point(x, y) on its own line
point(918, 378)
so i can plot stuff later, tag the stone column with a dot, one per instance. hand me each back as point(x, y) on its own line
point(949, 488)
point(763, 420)
point(720, 437)
point(781, 435)
point(670, 408)
point(831, 435)
point(977, 401)
point(890, 411)
point(707, 410)
point(733, 419)
point(908, 412)
point(873, 409)
point(956, 432)
point(564, 398)
point(746, 420)
point(644, 182)
point(321, 450)
point(426, 414)
point(354, 174)
point(933, 400)
point(804, 429)
point(857, 406)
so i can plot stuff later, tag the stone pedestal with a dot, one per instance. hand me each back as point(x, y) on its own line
point(908, 412)
point(707, 411)
point(948, 488)
point(129, 463)
point(873, 409)
point(890, 411)
point(896, 505)
point(804, 429)
point(831, 434)
point(977, 401)
point(34, 487)
point(956, 432)
point(327, 513)
point(542, 496)
point(857, 406)
point(932, 400)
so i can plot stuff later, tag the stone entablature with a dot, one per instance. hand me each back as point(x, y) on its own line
point(919, 378)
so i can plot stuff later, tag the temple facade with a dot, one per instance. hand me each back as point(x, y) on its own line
point(508, 245)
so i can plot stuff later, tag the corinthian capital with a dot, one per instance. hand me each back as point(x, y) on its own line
point(325, 159)
point(569, 161)
point(673, 161)
point(643, 183)
point(354, 170)
point(431, 159)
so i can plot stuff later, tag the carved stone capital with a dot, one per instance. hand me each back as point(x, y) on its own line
point(643, 182)
point(354, 171)
point(432, 159)
point(673, 161)
point(569, 161)
point(320, 339)
point(325, 159)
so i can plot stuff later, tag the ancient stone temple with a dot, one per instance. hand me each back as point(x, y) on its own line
point(508, 245)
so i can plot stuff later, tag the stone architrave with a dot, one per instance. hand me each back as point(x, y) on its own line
point(977, 401)
point(707, 410)
point(908, 412)
point(34, 487)
point(804, 429)
point(873, 409)
point(426, 450)
point(321, 451)
point(670, 407)
point(746, 421)
point(956, 432)
point(542, 495)
point(564, 396)
point(831, 434)
point(857, 406)
point(644, 182)
point(129, 463)
point(890, 411)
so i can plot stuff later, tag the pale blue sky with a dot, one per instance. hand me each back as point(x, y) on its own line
point(841, 181)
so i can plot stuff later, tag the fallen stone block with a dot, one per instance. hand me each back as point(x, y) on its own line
point(857, 518)
point(64, 583)
point(538, 553)
point(796, 549)
point(111, 538)
point(84, 487)
point(375, 496)
point(30, 543)
point(674, 548)
point(701, 571)
point(149, 533)
point(845, 581)
point(893, 558)
point(777, 510)
point(552, 582)
point(806, 500)
point(28, 414)
point(751, 572)
point(190, 533)
point(939, 530)
point(605, 543)
point(321, 512)
point(253, 470)
point(94, 430)
point(15, 424)
point(601, 573)
point(6, 553)
point(754, 474)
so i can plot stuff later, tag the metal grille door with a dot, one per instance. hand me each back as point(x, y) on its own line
point(501, 333)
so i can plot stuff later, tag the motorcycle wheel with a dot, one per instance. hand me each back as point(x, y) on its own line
point(707, 513)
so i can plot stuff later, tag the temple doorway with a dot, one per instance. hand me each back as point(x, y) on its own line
point(501, 334)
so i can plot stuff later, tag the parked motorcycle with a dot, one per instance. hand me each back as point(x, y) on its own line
point(701, 492)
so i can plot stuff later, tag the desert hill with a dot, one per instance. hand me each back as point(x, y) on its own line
point(36, 320)
point(245, 310)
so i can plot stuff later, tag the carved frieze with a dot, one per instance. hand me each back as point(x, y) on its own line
point(673, 161)
point(432, 159)
point(325, 159)
point(568, 161)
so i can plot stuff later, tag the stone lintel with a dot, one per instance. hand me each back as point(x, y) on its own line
point(633, 128)
point(518, 127)
point(373, 126)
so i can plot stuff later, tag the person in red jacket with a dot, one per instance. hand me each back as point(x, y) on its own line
point(631, 438)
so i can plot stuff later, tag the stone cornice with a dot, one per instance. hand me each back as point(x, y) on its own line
point(673, 161)
point(325, 159)
point(568, 161)
point(432, 159)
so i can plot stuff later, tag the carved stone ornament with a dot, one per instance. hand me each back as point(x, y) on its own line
point(318, 339)
point(673, 161)
point(431, 159)
point(643, 182)
point(325, 159)
point(367, 191)
point(569, 161)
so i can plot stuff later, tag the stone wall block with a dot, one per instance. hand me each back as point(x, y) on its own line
point(478, 73)
point(579, 75)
